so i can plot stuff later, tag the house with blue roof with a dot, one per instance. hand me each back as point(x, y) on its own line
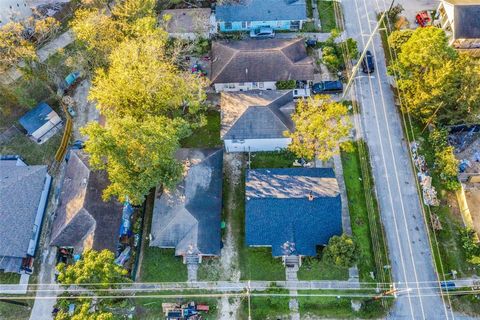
point(252, 14)
point(292, 210)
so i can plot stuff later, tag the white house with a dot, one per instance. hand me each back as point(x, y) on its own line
point(256, 120)
point(189, 24)
point(258, 65)
point(460, 19)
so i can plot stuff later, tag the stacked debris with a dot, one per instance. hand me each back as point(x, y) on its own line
point(190, 311)
point(428, 191)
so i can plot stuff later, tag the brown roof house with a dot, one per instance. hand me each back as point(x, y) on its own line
point(83, 220)
point(256, 120)
point(460, 19)
point(258, 65)
point(189, 24)
point(23, 198)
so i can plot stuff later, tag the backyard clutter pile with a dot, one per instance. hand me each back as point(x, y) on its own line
point(191, 311)
point(428, 191)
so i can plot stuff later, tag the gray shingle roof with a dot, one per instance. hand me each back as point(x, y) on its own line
point(278, 209)
point(467, 21)
point(256, 114)
point(188, 218)
point(83, 219)
point(260, 60)
point(262, 10)
point(20, 193)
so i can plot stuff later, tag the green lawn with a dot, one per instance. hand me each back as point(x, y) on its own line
point(359, 216)
point(336, 308)
point(326, 14)
point(263, 308)
point(161, 265)
point(309, 9)
point(280, 159)
point(10, 311)
point(32, 152)
point(317, 269)
point(9, 277)
point(207, 136)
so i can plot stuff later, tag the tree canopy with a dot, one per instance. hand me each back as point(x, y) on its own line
point(142, 81)
point(436, 83)
point(321, 124)
point(13, 46)
point(94, 267)
point(137, 154)
point(341, 251)
point(83, 312)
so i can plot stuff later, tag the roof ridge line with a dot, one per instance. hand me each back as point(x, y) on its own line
point(227, 63)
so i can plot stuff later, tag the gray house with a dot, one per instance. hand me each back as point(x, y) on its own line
point(187, 218)
point(256, 120)
point(23, 198)
point(258, 65)
point(83, 220)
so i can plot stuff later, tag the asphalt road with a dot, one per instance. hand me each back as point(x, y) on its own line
point(404, 223)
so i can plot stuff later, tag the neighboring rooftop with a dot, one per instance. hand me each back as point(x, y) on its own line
point(262, 10)
point(196, 20)
point(256, 61)
point(467, 21)
point(256, 114)
point(23, 196)
point(279, 211)
point(83, 220)
point(188, 217)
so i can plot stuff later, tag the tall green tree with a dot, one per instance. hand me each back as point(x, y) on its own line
point(14, 47)
point(398, 37)
point(137, 154)
point(142, 81)
point(83, 312)
point(321, 125)
point(94, 270)
point(341, 251)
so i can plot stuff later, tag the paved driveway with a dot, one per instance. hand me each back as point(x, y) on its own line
point(402, 217)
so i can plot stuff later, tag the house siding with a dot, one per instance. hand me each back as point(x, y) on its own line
point(249, 25)
point(255, 145)
point(245, 86)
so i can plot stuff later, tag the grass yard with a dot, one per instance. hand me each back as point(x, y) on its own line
point(264, 308)
point(9, 278)
point(326, 13)
point(281, 159)
point(161, 265)
point(207, 136)
point(10, 311)
point(335, 308)
point(359, 215)
point(32, 152)
point(316, 269)
point(309, 9)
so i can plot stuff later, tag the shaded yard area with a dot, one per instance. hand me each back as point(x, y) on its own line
point(207, 136)
point(32, 152)
point(280, 159)
point(161, 265)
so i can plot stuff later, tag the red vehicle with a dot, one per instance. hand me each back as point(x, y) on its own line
point(423, 18)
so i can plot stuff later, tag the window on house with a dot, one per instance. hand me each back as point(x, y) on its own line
point(244, 25)
point(228, 25)
point(260, 84)
point(295, 25)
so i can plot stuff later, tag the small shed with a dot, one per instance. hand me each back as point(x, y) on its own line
point(41, 122)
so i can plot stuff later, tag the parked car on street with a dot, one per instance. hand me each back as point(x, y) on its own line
point(262, 32)
point(327, 87)
point(367, 63)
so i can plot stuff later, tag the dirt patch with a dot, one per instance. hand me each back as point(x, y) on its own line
point(473, 201)
point(86, 110)
point(229, 270)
